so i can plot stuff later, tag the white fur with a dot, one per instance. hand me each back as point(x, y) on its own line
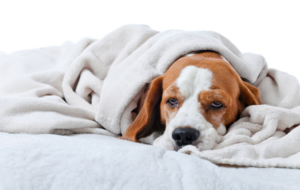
point(191, 81)
point(221, 130)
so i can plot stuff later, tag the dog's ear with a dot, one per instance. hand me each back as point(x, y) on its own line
point(143, 124)
point(249, 94)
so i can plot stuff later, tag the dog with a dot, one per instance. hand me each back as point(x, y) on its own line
point(193, 103)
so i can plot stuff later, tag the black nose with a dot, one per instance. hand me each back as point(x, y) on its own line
point(185, 136)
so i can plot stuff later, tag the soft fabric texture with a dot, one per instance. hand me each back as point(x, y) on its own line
point(92, 87)
point(89, 161)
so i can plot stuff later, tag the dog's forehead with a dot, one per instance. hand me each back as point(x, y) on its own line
point(194, 80)
point(209, 66)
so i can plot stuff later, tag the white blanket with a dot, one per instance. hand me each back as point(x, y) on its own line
point(89, 161)
point(92, 87)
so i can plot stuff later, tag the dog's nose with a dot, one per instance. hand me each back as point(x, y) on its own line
point(185, 136)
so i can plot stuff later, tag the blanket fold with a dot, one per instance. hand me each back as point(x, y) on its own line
point(92, 87)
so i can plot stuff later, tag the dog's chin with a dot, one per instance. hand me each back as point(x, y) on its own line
point(200, 147)
point(171, 145)
point(168, 144)
point(177, 148)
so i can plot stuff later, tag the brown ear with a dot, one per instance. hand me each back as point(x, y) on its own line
point(143, 123)
point(249, 94)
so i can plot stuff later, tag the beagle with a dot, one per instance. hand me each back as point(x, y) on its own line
point(192, 103)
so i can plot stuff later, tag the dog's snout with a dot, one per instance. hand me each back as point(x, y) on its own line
point(185, 136)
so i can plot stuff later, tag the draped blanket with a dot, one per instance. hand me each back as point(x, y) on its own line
point(92, 87)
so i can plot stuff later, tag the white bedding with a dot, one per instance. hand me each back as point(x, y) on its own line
point(35, 83)
point(92, 87)
point(89, 161)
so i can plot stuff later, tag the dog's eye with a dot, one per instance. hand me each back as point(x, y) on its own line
point(216, 105)
point(172, 102)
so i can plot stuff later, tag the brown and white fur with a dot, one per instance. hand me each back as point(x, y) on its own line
point(196, 83)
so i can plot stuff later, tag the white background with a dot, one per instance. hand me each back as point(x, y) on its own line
point(270, 28)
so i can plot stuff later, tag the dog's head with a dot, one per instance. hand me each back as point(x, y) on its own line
point(198, 97)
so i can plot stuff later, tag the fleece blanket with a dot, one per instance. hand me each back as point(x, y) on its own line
point(92, 87)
